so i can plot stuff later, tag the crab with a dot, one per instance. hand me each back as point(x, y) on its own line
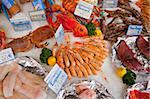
point(41, 34)
point(36, 37)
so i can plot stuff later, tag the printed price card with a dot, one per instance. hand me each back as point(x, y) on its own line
point(6, 55)
point(134, 30)
point(84, 9)
point(148, 86)
point(37, 15)
point(59, 35)
point(110, 3)
point(56, 78)
point(38, 5)
point(21, 24)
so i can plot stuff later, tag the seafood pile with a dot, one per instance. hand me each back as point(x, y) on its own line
point(36, 37)
point(138, 91)
point(82, 59)
point(137, 53)
point(17, 83)
point(120, 19)
point(84, 90)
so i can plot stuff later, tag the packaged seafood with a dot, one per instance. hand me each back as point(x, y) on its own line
point(87, 89)
point(130, 56)
point(138, 91)
point(22, 78)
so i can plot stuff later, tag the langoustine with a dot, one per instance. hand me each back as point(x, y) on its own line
point(125, 15)
point(82, 59)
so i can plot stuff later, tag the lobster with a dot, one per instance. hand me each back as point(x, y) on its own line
point(69, 24)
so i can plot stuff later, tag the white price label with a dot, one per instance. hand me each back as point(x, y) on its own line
point(59, 35)
point(110, 3)
point(134, 30)
point(21, 24)
point(148, 86)
point(84, 10)
point(56, 78)
point(6, 55)
point(37, 15)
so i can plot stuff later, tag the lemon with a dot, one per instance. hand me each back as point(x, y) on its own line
point(98, 32)
point(51, 61)
point(121, 71)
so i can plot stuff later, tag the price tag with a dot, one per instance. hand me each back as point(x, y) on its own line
point(59, 35)
point(110, 3)
point(8, 3)
point(134, 30)
point(148, 86)
point(84, 9)
point(6, 55)
point(56, 78)
point(21, 24)
point(37, 15)
point(38, 5)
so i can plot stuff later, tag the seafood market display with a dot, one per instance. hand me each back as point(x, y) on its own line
point(133, 53)
point(117, 21)
point(77, 44)
point(82, 59)
point(16, 82)
point(84, 90)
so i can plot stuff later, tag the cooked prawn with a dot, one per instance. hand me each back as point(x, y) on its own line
point(73, 71)
point(66, 59)
point(84, 71)
point(68, 73)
